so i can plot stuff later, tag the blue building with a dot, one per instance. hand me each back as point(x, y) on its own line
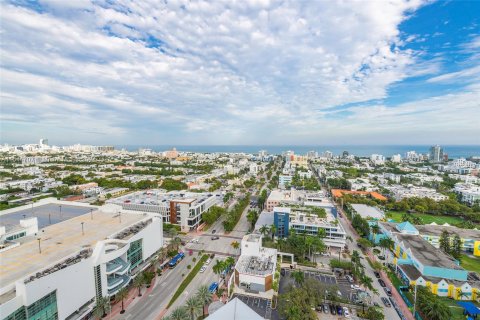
point(281, 220)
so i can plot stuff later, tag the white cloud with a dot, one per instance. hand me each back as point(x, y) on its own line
point(219, 72)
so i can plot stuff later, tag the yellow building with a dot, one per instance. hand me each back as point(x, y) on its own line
point(476, 248)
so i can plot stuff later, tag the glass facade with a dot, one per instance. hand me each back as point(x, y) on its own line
point(44, 309)
point(16, 236)
point(19, 314)
point(135, 253)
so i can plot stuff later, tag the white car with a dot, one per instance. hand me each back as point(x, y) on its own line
point(349, 278)
point(355, 286)
point(208, 262)
point(203, 269)
point(346, 314)
point(194, 240)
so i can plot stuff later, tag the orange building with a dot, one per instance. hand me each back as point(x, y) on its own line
point(338, 193)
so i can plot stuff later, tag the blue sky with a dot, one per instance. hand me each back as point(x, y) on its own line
point(246, 72)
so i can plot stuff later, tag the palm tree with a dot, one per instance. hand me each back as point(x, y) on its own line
point(435, 309)
point(229, 261)
point(193, 306)
point(366, 281)
point(101, 307)
point(264, 229)
point(219, 267)
point(138, 283)
point(120, 296)
point(273, 230)
point(179, 313)
point(176, 242)
point(204, 296)
point(375, 230)
point(252, 217)
point(235, 245)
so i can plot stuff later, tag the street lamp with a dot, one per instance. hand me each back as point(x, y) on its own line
point(91, 214)
point(39, 247)
point(60, 211)
point(49, 219)
point(83, 233)
point(120, 216)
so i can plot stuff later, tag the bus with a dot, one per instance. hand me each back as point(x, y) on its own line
point(173, 262)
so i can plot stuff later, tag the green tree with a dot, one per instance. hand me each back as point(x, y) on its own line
point(194, 306)
point(373, 313)
point(204, 296)
point(235, 245)
point(179, 313)
point(456, 248)
point(386, 243)
point(120, 296)
point(219, 267)
point(102, 307)
point(252, 217)
point(264, 229)
point(273, 230)
point(444, 241)
point(430, 305)
point(298, 276)
point(138, 283)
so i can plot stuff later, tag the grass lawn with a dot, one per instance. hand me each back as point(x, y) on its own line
point(470, 263)
point(457, 311)
point(426, 218)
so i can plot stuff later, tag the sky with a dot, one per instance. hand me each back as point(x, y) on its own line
point(240, 72)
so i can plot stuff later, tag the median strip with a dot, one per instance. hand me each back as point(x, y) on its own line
point(188, 279)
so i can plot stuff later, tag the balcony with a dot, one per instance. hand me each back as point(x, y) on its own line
point(117, 266)
point(116, 283)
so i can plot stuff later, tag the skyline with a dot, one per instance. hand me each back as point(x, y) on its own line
point(249, 73)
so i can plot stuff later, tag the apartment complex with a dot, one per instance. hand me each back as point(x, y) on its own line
point(304, 221)
point(470, 193)
point(418, 262)
point(176, 207)
point(59, 273)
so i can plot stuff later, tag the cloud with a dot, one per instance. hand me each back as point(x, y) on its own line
point(195, 72)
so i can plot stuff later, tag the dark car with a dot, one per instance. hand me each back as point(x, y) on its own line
point(381, 257)
point(213, 231)
point(388, 291)
point(333, 310)
point(326, 309)
point(215, 238)
point(339, 310)
point(382, 283)
point(377, 275)
point(386, 302)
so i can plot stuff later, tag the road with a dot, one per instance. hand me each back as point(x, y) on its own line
point(149, 307)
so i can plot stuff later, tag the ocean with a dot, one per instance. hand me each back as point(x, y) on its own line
point(453, 151)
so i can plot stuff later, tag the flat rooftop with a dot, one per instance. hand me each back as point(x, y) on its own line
point(47, 214)
point(368, 211)
point(255, 265)
point(160, 197)
point(426, 253)
point(60, 241)
point(436, 230)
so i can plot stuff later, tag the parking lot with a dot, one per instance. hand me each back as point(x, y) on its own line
point(259, 305)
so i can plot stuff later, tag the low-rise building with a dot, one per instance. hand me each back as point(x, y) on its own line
point(255, 268)
point(176, 207)
point(470, 193)
point(368, 212)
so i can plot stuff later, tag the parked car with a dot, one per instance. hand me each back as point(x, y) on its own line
point(215, 238)
point(333, 309)
point(208, 262)
point(319, 308)
point(388, 291)
point(349, 278)
point(386, 302)
point(213, 231)
point(382, 283)
point(326, 309)
point(202, 269)
point(339, 310)
point(381, 257)
point(377, 275)
point(346, 314)
point(355, 287)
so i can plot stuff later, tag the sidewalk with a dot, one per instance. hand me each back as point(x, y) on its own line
point(401, 303)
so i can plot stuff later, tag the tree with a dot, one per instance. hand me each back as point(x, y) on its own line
point(296, 305)
point(252, 217)
point(373, 314)
point(176, 242)
point(430, 305)
point(444, 241)
point(138, 283)
point(386, 243)
point(120, 296)
point(456, 248)
point(364, 243)
point(179, 313)
point(204, 296)
point(219, 267)
point(101, 308)
point(375, 230)
point(366, 281)
point(298, 276)
point(273, 230)
point(235, 245)
point(264, 229)
point(193, 306)
point(230, 261)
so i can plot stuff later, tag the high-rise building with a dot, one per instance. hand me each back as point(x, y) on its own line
point(43, 142)
point(436, 154)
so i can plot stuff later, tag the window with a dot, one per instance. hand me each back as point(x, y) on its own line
point(19, 314)
point(135, 253)
point(44, 309)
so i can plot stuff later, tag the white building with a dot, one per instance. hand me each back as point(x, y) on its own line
point(400, 192)
point(253, 168)
point(470, 193)
point(396, 158)
point(176, 207)
point(255, 268)
point(283, 180)
point(61, 275)
point(377, 159)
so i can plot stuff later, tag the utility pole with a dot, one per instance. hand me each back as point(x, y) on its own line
point(39, 247)
point(83, 233)
point(91, 214)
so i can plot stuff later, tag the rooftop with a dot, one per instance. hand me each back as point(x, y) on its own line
point(60, 241)
point(436, 230)
point(339, 193)
point(368, 211)
point(258, 266)
point(160, 197)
